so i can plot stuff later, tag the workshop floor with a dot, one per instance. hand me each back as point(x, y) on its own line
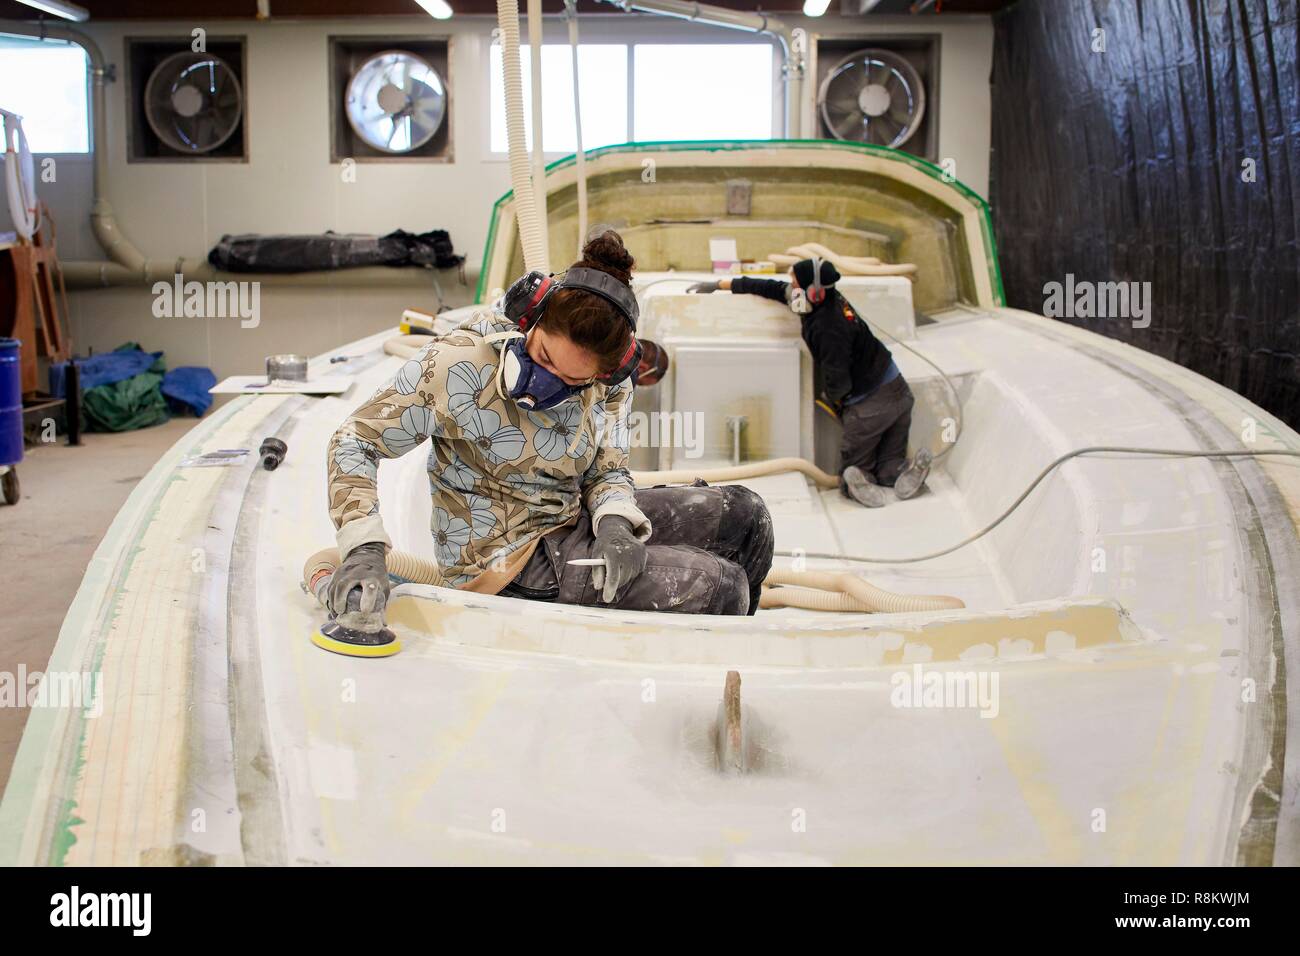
point(69, 498)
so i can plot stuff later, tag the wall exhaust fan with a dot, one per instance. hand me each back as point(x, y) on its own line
point(872, 96)
point(185, 105)
point(396, 102)
point(193, 102)
point(389, 99)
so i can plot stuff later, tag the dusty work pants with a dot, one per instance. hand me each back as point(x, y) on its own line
point(875, 432)
point(710, 550)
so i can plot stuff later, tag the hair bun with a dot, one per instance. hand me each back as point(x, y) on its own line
point(607, 253)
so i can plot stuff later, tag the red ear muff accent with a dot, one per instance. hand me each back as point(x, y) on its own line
point(653, 365)
point(817, 294)
point(525, 301)
point(626, 366)
point(534, 305)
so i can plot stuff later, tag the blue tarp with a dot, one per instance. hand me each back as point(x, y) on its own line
point(111, 404)
point(186, 389)
point(103, 369)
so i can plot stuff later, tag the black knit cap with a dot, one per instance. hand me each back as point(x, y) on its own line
point(803, 273)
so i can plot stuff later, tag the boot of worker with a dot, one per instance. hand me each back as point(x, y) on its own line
point(862, 488)
point(912, 479)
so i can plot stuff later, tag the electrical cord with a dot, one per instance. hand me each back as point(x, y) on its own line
point(1078, 452)
point(654, 282)
point(956, 399)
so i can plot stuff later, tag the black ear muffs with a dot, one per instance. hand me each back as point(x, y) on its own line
point(627, 365)
point(817, 293)
point(525, 303)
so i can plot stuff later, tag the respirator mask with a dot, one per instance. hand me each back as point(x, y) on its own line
point(797, 300)
point(802, 302)
point(528, 383)
point(533, 387)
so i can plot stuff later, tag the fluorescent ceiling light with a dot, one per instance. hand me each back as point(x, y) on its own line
point(58, 8)
point(815, 8)
point(438, 9)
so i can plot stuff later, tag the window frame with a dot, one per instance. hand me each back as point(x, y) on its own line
point(652, 30)
point(86, 155)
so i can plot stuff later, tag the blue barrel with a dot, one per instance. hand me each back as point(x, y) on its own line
point(11, 403)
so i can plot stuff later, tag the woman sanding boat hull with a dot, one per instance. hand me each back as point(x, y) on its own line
point(527, 406)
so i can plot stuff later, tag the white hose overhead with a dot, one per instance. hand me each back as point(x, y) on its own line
point(530, 231)
point(846, 265)
point(20, 178)
point(539, 148)
point(571, 14)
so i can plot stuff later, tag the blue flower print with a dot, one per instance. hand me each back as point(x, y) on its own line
point(459, 475)
point(496, 443)
point(481, 517)
point(356, 456)
point(464, 382)
point(525, 484)
point(556, 429)
point(605, 497)
point(450, 535)
point(408, 378)
point(415, 425)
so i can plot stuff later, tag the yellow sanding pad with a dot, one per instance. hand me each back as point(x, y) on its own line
point(328, 643)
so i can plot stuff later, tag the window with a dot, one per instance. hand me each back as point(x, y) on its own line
point(603, 70)
point(702, 91)
point(680, 91)
point(45, 84)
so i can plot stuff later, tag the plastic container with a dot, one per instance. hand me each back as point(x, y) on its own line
point(11, 403)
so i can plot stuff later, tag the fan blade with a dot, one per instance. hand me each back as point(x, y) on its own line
point(843, 104)
point(900, 116)
point(849, 129)
point(204, 128)
point(890, 131)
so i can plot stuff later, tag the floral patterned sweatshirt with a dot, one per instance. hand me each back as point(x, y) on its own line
point(501, 477)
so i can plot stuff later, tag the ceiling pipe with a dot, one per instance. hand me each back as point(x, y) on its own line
point(59, 8)
point(126, 264)
point(793, 42)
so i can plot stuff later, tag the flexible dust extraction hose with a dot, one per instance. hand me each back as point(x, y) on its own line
point(539, 153)
point(754, 469)
point(571, 14)
point(847, 265)
point(871, 597)
point(405, 346)
point(320, 568)
point(818, 590)
point(811, 599)
point(530, 232)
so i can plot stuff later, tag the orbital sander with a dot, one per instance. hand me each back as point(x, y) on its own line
point(355, 633)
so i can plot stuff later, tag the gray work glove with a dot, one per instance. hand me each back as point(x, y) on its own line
point(704, 287)
point(624, 556)
point(364, 567)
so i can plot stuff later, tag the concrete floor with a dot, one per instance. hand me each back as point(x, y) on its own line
point(69, 498)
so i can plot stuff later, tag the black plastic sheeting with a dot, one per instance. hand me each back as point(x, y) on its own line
point(332, 250)
point(1131, 165)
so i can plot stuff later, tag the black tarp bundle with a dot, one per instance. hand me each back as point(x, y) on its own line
point(1173, 157)
point(332, 250)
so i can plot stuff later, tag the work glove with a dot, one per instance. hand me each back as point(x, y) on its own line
point(364, 567)
point(624, 556)
point(704, 287)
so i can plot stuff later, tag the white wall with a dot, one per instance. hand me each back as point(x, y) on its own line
point(289, 184)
